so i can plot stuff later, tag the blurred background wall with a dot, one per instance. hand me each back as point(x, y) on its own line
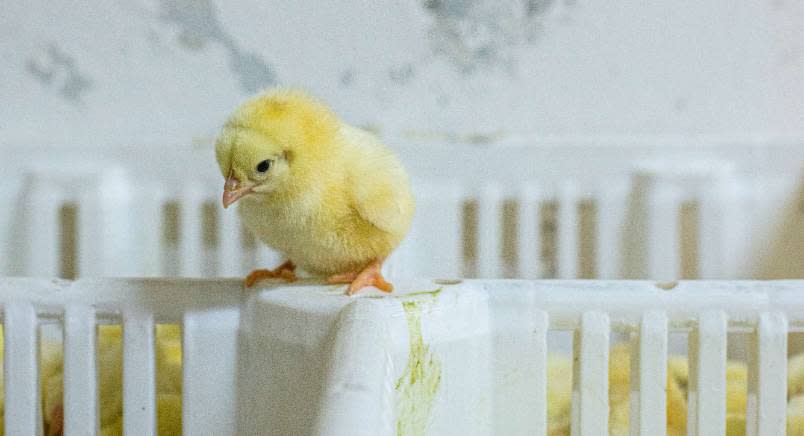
point(149, 71)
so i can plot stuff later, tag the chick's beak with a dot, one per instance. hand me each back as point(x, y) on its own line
point(232, 191)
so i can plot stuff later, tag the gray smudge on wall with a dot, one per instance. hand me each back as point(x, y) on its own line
point(54, 66)
point(347, 78)
point(199, 25)
point(537, 7)
point(485, 34)
point(401, 74)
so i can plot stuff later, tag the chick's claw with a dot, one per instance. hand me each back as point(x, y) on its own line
point(365, 280)
point(262, 274)
point(284, 272)
point(370, 276)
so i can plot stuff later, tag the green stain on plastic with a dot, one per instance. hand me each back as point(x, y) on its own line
point(418, 385)
point(434, 293)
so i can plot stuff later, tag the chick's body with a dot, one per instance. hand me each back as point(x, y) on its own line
point(329, 196)
point(355, 210)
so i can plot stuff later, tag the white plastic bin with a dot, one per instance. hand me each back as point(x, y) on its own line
point(639, 209)
point(466, 358)
point(304, 359)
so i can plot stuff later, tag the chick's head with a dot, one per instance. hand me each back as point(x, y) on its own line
point(271, 140)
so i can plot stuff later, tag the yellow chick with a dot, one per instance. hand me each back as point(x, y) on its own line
point(168, 359)
point(559, 394)
point(51, 375)
point(795, 416)
point(168, 418)
point(110, 381)
point(329, 196)
point(795, 375)
point(168, 414)
point(620, 391)
point(736, 397)
point(677, 382)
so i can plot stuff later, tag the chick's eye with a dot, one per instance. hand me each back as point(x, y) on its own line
point(263, 166)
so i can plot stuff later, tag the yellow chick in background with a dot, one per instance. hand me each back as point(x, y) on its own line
point(329, 196)
point(110, 381)
point(559, 394)
point(559, 388)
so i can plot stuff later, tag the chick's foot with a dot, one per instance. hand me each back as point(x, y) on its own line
point(284, 272)
point(370, 276)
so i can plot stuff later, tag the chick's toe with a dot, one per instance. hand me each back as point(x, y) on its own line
point(286, 272)
point(370, 276)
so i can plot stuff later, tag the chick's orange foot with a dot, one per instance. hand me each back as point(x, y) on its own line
point(371, 275)
point(284, 272)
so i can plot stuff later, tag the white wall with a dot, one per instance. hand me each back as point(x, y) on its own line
point(145, 70)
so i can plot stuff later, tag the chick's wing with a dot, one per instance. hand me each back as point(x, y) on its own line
point(378, 184)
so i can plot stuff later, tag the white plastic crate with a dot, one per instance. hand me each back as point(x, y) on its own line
point(524, 209)
point(442, 359)
point(303, 359)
